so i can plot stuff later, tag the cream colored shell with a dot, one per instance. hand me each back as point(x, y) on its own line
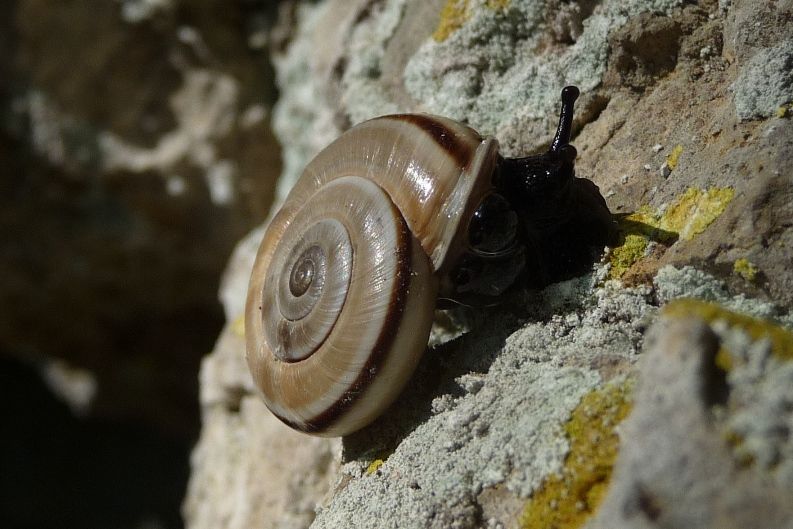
point(370, 225)
point(432, 168)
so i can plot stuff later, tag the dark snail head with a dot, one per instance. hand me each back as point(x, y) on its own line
point(541, 224)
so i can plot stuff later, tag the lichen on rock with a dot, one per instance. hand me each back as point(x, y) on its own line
point(566, 500)
point(699, 441)
point(689, 215)
point(765, 82)
point(493, 414)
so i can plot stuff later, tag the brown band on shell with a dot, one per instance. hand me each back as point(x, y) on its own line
point(381, 348)
point(443, 136)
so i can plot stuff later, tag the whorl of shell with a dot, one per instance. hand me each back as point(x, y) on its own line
point(343, 288)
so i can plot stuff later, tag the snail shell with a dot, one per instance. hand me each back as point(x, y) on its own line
point(343, 288)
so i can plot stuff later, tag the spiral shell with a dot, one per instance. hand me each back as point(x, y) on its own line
point(343, 288)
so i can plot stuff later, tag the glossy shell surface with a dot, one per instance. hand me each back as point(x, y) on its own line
point(343, 288)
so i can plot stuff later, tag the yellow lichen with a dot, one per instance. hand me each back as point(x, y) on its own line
point(565, 501)
point(238, 326)
point(623, 257)
point(688, 216)
point(784, 110)
point(724, 360)
point(674, 157)
point(744, 268)
point(373, 466)
point(781, 339)
point(498, 5)
point(454, 14)
point(637, 230)
point(695, 210)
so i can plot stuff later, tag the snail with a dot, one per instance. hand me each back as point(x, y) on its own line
point(402, 214)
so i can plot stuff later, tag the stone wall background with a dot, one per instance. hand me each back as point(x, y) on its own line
point(135, 150)
point(598, 402)
point(140, 145)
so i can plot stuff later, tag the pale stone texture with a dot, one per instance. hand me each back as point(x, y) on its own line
point(480, 427)
point(249, 470)
point(675, 468)
point(765, 83)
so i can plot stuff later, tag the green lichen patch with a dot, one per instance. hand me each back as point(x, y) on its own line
point(724, 360)
point(498, 5)
point(637, 230)
point(744, 268)
point(455, 13)
point(374, 466)
point(674, 157)
point(623, 257)
point(781, 339)
point(372, 461)
point(695, 210)
point(689, 215)
point(568, 499)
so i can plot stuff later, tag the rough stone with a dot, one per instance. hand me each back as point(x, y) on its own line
point(501, 69)
point(135, 150)
point(765, 82)
point(484, 426)
point(250, 470)
point(675, 467)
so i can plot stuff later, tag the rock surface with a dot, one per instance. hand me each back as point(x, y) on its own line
point(707, 431)
point(521, 422)
point(237, 459)
point(134, 151)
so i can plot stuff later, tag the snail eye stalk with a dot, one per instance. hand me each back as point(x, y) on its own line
point(543, 177)
point(565, 128)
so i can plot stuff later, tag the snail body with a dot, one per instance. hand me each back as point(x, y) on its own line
point(397, 213)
